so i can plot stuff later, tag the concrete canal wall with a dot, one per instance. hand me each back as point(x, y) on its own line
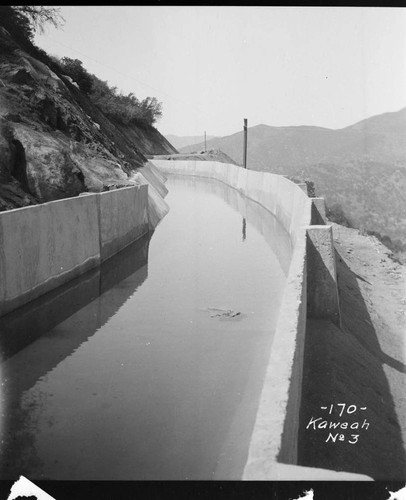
point(123, 218)
point(157, 207)
point(275, 434)
point(44, 246)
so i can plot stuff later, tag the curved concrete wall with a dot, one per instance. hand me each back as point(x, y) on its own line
point(274, 438)
point(273, 447)
point(44, 246)
point(157, 207)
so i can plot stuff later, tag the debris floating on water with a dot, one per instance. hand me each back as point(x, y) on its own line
point(222, 313)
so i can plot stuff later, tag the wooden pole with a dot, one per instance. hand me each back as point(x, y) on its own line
point(245, 142)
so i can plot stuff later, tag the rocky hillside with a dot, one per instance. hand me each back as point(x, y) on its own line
point(360, 170)
point(54, 143)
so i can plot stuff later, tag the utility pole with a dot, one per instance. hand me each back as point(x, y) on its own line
point(205, 145)
point(245, 143)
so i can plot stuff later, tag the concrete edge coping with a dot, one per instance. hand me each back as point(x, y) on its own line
point(47, 203)
point(70, 199)
point(266, 438)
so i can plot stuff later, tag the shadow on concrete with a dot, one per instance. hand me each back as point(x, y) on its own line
point(322, 298)
point(347, 366)
point(316, 216)
point(23, 326)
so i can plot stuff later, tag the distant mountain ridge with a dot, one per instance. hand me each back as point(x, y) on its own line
point(361, 167)
point(380, 138)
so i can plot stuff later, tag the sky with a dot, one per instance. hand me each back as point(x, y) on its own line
point(211, 67)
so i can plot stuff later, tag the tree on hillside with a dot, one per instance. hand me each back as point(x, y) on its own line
point(74, 69)
point(22, 21)
point(39, 16)
point(151, 109)
point(125, 109)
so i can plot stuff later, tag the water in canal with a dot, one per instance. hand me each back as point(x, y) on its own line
point(150, 367)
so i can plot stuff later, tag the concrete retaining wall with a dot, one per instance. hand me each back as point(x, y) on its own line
point(123, 218)
point(44, 246)
point(157, 207)
point(275, 434)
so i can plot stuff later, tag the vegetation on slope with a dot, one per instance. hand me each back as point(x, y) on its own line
point(124, 109)
point(23, 21)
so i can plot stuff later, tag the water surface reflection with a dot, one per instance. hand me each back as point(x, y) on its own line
point(153, 379)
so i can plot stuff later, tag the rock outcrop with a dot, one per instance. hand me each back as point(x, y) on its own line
point(54, 143)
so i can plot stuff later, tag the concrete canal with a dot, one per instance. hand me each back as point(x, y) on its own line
point(150, 367)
